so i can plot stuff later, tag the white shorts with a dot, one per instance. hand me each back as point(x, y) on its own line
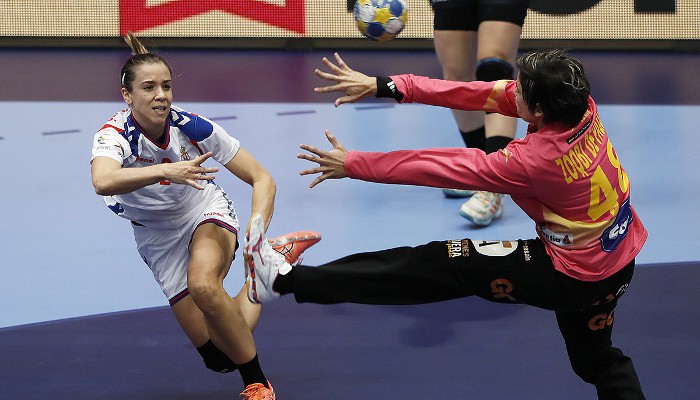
point(166, 250)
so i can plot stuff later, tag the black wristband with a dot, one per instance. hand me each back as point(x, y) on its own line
point(387, 88)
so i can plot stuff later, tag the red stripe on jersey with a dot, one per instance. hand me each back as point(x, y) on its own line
point(195, 144)
point(119, 130)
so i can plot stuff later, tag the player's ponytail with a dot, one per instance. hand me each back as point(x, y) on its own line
point(135, 44)
point(140, 55)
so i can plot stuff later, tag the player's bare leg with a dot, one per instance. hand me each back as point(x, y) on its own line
point(211, 252)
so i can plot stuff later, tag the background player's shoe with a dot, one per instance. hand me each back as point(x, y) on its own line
point(458, 193)
point(258, 391)
point(262, 264)
point(292, 245)
point(482, 208)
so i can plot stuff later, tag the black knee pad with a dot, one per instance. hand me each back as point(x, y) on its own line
point(215, 359)
point(493, 69)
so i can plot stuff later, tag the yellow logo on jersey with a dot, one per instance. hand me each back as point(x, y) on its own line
point(507, 154)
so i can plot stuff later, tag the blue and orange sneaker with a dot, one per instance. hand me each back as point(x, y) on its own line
point(265, 259)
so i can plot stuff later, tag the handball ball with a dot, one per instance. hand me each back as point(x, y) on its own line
point(381, 20)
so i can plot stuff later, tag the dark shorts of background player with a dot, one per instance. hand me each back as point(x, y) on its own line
point(466, 15)
point(507, 272)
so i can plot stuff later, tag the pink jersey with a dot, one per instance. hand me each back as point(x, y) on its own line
point(569, 181)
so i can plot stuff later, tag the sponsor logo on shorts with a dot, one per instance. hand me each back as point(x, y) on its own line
point(458, 248)
point(526, 252)
point(560, 239)
point(497, 248)
point(213, 214)
point(601, 321)
point(622, 290)
point(501, 289)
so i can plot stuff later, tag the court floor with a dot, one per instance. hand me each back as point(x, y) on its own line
point(82, 318)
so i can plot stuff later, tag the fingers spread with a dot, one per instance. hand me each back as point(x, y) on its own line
point(340, 62)
point(311, 149)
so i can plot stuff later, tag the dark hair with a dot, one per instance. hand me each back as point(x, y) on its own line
point(140, 56)
point(555, 82)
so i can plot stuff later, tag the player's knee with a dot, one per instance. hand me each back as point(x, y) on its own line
point(493, 69)
point(204, 293)
point(215, 359)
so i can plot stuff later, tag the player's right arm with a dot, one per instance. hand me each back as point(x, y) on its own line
point(495, 96)
point(109, 178)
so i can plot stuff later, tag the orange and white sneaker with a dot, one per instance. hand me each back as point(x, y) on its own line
point(293, 244)
point(258, 391)
point(265, 259)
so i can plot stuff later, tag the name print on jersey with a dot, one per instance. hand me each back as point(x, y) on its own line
point(605, 192)
point(578, 159)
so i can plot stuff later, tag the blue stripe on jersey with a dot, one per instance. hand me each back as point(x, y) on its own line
point(131, 133)
point(192, 125)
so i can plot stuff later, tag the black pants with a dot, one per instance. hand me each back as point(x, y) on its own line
point(507, 272)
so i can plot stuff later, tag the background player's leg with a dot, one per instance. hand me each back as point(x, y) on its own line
point(500, 40)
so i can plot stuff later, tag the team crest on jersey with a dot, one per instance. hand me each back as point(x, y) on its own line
point(184, 155)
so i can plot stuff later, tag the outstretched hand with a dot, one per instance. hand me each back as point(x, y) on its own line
point(189, 172)
point(331, 164)
point(354, 84)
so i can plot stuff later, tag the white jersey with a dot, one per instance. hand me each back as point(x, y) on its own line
point(186, 136)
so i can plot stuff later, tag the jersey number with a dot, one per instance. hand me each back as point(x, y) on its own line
point(603, 195)
point(165, 181)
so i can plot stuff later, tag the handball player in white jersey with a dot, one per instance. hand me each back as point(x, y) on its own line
point(147, 163)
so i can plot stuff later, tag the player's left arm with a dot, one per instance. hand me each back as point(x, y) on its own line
point(246, 168)
point(354, 84)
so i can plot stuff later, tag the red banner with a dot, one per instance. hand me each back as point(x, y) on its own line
point(135, 15)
